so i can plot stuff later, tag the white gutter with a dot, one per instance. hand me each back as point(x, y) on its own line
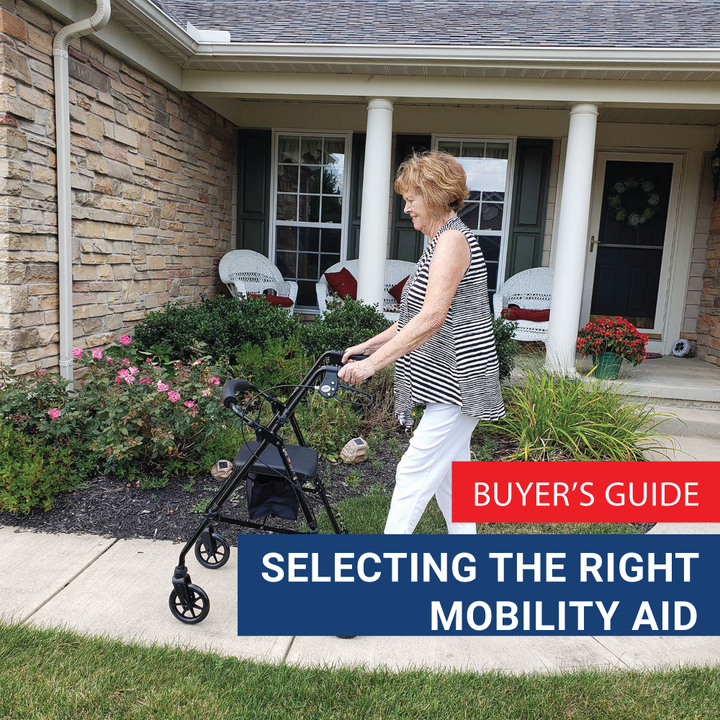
point(64, 200)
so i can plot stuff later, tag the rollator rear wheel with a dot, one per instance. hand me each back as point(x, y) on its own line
point(198, 609)
point(212, 552)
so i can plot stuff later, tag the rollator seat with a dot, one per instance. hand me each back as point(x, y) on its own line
point(304, 460)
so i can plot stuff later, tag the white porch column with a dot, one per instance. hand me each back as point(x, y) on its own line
point(372, 251)
point(572, 241)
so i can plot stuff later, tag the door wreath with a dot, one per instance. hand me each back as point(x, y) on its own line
point(651, 201)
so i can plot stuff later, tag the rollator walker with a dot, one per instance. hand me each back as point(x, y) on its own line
point(278, 479)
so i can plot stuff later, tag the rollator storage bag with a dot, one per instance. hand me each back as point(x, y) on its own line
point(269, 490)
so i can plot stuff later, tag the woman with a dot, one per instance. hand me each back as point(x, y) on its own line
point(443, 344)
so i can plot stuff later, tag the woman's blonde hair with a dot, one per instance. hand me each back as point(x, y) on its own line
point(438, 176)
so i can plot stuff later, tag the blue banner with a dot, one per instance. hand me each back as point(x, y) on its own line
point(475, 585)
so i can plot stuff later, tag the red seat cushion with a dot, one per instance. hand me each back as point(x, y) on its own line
point(279, 300)
point(396, 290)
point(513, 312)
point(343, 283)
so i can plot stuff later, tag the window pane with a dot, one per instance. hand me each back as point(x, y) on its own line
point(309, 208)
point(496, 150)
point(286, 264)
point(452, 147)
point(311, 151)
point(491, 217)
point(308, 266)
point(309, 239)
point(286, 207)
point(288, 149)
point(331, 210)
point(286, 238)
point(332, 180)
point(307, 295)
point(310, 178)
point(331, 241)
point(469, 214)
point(473, 150)
point(334, 151)
point(327, 260)
point(490, 246)
point(288, 178)
point(497, 196)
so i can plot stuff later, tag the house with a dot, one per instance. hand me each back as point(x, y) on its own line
point(586, 129)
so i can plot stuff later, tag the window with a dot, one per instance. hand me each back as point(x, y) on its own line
point(309, 211)
point(487, 164)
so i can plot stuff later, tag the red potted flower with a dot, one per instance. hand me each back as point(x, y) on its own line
point(610, 340)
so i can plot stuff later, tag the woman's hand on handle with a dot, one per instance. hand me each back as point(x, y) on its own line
point(361, 349)
point(357, 371)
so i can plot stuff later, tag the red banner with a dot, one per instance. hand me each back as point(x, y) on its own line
point(586, 492)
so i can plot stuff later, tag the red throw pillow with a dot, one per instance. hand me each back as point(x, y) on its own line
point(513, 312)
point(343, 283)
point(396, 290)
point(278, 300)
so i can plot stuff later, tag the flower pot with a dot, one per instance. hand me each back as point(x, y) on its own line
point(608, 365)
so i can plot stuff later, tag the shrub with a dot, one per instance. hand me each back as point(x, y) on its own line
point(344, 324)
point(218, 327)
point(552, 417)
point(33, 472)
point(507, 348)
point(144, 417)
point(279, 362)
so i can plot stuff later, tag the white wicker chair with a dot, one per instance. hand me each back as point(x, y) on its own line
point(245, 271)
point(395, 271)
point(530, 290)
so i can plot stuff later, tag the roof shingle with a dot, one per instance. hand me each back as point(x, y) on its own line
point(525, 23)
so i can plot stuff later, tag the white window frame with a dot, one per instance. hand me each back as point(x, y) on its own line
point(509, 186)
point(345, 217)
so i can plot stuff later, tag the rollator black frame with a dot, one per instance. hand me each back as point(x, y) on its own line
point(190, 603)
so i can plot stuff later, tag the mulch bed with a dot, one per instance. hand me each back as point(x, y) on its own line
point(110, 507)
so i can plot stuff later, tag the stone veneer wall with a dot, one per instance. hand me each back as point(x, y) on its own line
point(708, 324)
point(152, 192)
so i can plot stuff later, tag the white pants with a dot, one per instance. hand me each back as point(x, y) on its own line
point(443, 436)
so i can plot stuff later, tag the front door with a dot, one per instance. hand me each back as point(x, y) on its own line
point(632, 229)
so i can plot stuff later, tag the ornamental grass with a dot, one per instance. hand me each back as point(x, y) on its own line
point(552, 417)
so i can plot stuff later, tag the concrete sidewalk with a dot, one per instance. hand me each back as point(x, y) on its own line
point(120, 588)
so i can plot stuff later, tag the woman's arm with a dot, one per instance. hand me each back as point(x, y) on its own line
point(450, 262)
point(371, 345)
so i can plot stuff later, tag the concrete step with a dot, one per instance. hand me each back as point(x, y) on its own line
point(689, 422)
point(687, 449)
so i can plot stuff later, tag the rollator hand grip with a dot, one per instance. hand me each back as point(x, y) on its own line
point(230, 389)
point(358, 357)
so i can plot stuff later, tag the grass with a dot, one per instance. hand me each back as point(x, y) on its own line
point(53, 674)
point(552, 417)
point(366, 516)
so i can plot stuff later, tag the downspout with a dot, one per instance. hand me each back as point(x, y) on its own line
point(64, 199)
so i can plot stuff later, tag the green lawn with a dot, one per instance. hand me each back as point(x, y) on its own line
point(49, 674)
point(366, 516)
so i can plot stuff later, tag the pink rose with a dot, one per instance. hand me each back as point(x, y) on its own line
point(207, 392)
point(117, 380)
point(123, 373)
point(125, 340)
point(54, 413)
point(146, 381)
point(97, 354)
point(215, 380)
point(133, 370)
point(129, 378)
point(162, 387)
point(189, 403)
point(108, 359)
point(126, 361)
point(173, 396)
point(77, 352)
point(198, 362)
point(148, 360)
point(41, 372)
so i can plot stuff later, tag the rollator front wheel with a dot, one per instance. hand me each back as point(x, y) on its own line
point(212, 550)
point(196, 611)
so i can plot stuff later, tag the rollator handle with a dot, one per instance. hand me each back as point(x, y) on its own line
point(358, 357)
point(230, 389)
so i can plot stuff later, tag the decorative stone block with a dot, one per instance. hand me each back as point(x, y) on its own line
point(355, 451)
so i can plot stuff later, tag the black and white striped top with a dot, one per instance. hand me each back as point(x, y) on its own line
point(458, 365)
